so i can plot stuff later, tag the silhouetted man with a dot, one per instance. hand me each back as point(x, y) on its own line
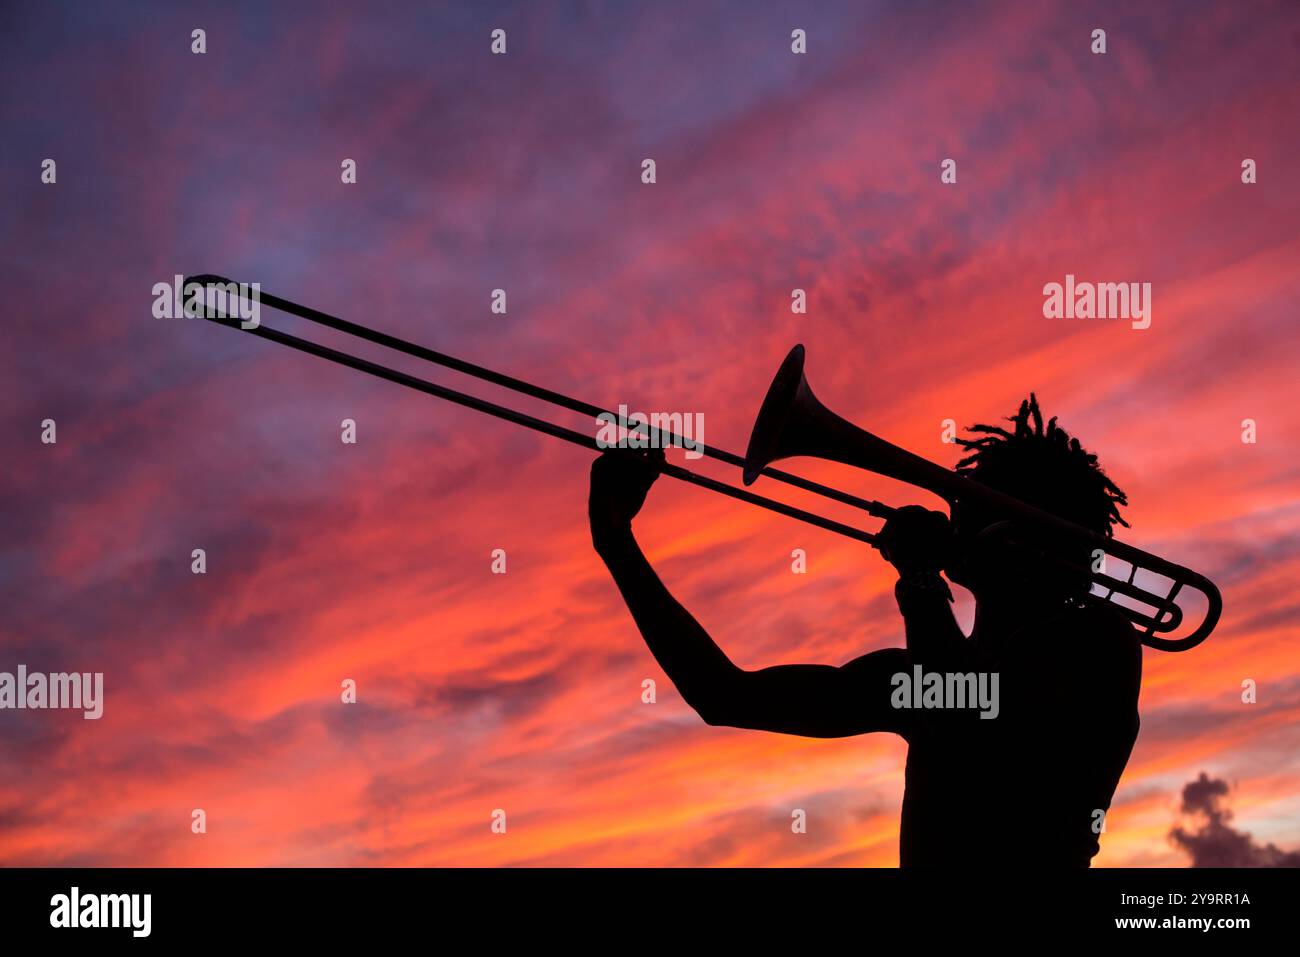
point(1032, 784)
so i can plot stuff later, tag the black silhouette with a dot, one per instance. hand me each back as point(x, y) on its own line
point(1031, 785)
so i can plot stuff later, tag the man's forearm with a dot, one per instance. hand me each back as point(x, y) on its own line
point(695, 664)
point(933, 638)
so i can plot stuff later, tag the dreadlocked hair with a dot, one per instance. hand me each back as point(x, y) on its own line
point(1045, 467)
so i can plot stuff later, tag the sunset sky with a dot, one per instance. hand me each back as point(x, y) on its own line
point(372, 561)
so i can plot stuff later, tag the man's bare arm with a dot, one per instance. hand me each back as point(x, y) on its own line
point(917, 541)
point(812, 700)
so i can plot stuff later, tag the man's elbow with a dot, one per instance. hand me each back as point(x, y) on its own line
point(717, 717)
point(714, 712)
point(720, 705)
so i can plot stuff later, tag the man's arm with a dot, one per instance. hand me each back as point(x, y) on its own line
point(918, 543)
point(810, 700)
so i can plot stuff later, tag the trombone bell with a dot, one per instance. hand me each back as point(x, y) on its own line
point(792, 421)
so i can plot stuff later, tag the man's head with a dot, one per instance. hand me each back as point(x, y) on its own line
point(1042, 466)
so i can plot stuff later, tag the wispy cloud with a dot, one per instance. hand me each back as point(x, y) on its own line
point(372, 561)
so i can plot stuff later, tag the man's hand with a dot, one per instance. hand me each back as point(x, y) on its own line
point(916, 540)
point(620, 481)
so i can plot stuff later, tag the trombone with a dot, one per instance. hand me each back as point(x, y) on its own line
point(791, 422)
